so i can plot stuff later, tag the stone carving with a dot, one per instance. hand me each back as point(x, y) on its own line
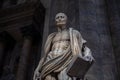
point(60, 48)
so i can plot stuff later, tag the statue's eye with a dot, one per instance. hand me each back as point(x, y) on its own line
point(57, 17)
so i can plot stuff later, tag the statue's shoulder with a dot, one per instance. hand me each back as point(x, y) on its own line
point(52, 34)
point(74, 30)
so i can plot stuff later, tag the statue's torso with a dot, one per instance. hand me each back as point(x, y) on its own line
point(60, 42)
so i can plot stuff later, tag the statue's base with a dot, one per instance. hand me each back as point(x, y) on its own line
point(79, 67)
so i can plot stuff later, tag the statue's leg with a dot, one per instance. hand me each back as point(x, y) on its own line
point(49, 77)
point(63, 75)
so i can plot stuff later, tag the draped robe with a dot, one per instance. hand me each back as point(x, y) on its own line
point(59, 64)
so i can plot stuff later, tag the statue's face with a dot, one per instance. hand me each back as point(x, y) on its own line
point(61, 19)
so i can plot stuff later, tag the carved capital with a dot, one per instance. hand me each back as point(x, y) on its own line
point(31, 33)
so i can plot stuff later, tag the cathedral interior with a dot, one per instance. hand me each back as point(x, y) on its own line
point(25, 25)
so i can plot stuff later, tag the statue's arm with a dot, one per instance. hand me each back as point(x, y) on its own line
point(86, 52)
point(39, 64)
point(47, 47)
point(46, 50)
point(36, 72)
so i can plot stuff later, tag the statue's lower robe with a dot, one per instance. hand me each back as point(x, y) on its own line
point(54, 68)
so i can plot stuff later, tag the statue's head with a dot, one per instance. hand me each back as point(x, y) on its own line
point(61, 19)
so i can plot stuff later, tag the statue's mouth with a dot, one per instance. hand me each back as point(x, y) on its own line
point(61, 23)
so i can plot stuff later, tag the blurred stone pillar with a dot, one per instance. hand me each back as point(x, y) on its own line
point(6, 45)
point(2, 46)
point(94, 27)
point(22, 68)
point(1, 51)
point(114, 25)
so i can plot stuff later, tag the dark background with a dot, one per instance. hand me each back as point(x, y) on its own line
point(25, 25)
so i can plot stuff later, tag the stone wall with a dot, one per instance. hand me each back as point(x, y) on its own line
point(113, 8)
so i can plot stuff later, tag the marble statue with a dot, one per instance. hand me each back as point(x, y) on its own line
point(59, 50)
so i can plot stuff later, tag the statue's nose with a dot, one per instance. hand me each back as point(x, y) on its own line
point(59, 20)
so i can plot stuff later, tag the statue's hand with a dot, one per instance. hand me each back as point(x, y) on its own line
point(36, 75)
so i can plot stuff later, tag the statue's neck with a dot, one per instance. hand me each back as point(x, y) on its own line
point(61, 29)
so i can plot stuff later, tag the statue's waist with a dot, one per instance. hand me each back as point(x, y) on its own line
point(60, 43)
point(58, 51)
point(61, 40)
point(60, 46)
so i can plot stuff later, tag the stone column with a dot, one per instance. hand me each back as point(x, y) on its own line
point(31, 38)
point(2, 46)
point(114, 25)
point(5, 49)
point(22, 68)
point(1, 51)
point(93, 22)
